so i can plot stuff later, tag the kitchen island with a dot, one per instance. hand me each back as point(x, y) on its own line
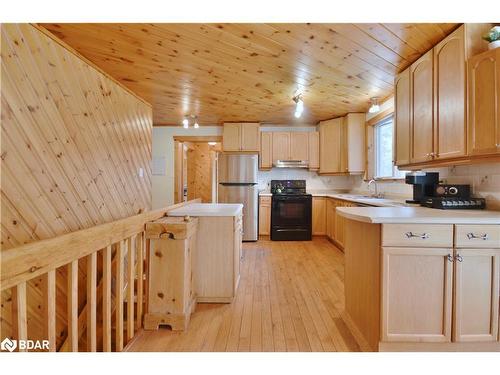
point(218, 251)
point(422, 279)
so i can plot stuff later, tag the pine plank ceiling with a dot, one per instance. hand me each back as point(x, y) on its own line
point(250, 72)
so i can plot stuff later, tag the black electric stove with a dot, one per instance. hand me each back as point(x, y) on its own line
point(291, 211)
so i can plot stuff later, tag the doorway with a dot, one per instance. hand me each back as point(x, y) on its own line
point(195, 174)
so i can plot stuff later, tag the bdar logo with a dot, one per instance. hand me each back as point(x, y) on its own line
point(8, 344)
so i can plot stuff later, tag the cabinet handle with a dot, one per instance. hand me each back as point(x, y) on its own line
point(459, 258)
point(422, 236)
point(472, 236)
point(450, 258)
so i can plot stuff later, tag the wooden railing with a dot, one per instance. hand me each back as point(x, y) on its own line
point(124, 252)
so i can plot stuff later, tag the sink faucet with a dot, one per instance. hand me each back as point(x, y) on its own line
point(376, 193)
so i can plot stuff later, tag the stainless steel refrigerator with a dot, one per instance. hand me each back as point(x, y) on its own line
point(238, 184)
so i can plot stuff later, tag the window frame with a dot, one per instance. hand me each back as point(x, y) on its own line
point(396, 174)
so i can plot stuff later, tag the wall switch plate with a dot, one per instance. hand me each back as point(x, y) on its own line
point(141, 172)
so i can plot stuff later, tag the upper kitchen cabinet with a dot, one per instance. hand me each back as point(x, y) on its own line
point(266, 147)
point(287, 146)
point(484, 103)
point(299, 145)
point(281, 146)
point(450, 102)
point(330, 142)
point(421, 109)
point(241, 137)
point(431, 102)
point(402, 118)
point(313, 151)
point(342, 145)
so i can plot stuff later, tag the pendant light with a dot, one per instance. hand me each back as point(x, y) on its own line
point(185, 123)
point(375, 107)
point(196, 125)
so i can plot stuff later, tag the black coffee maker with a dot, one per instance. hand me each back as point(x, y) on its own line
point(423, 185)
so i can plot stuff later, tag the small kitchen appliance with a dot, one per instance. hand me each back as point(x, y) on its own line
point(423, 185)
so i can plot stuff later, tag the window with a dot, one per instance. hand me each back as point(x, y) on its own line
point(383, 142)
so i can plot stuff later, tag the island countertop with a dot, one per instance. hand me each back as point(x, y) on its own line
point(418, 215)
point(208, 209)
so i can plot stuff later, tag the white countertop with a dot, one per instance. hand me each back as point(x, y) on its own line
point(208, 209)
point(418, 215)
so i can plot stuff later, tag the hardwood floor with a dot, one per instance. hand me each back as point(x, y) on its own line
point(290, 298)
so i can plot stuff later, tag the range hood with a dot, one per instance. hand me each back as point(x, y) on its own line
point(291, 164)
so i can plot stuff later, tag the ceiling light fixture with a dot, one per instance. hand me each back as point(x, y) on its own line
point(212, 143)
point(375, 107)
point(299, 105)
point(185, 123)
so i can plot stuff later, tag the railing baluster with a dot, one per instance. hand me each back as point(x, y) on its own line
point(91, 301)
point(130, 288)
point(49, 288)
point(72, 297)
point(140, 277)
point(119, 296)
point(21, 312)
point(106, 299)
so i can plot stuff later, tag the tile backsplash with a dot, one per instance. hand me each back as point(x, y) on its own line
point(483, 178)
point(313, 180)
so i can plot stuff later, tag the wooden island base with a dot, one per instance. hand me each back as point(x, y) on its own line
point(422, 287)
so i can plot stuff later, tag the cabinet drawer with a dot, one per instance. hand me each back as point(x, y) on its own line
point(474, 236)
point(264, 200)
point(417, 235)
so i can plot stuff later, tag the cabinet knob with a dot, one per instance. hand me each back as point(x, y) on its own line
point(450, 258)
point(459, 258)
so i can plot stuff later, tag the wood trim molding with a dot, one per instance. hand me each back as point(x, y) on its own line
point(81, 57)
point(198, 138)
point(380, 116)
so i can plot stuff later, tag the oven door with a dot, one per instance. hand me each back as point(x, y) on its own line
point(291, 211)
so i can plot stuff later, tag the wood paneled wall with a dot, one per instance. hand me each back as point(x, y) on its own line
point(72, 143)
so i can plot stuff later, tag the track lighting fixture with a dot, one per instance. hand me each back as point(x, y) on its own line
point(299, 105)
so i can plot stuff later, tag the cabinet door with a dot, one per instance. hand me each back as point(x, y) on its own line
point(484, 103)
point(476, 294)
point(354, 146)
point(330, 141)
point(319, 216)
point(237, 251)
point(450, 120)
point(314, 151)
point(299, 145)
point(266, 144)
point(344, 143)
point(330, 218)
point(231, 137)
point(281, 146)
point(264, 216)
point(402, 118)
point(250, 136)
point(416, 294)
point(421, 109)
point(339, 226)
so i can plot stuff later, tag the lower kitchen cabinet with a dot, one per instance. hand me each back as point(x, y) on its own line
point(476, 294)
point(264, 216)
point(330, 218)
point(416, 294)
point(319, 216)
